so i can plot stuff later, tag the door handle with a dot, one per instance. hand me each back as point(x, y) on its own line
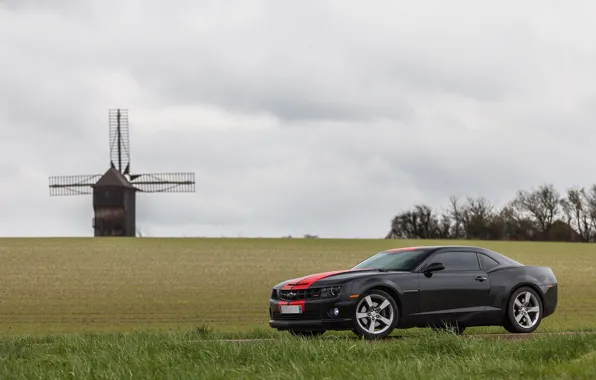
point(480, 279)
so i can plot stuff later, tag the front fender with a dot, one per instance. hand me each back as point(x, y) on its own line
point(403, 289)
point(381, 283)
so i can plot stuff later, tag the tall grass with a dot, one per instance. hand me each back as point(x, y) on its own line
point(180, 356)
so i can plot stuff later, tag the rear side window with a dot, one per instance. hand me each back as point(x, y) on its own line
point(460, 261)
point(486, 262)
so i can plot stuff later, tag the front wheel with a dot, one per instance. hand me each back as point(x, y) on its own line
point(376, 315)
point(524, 311)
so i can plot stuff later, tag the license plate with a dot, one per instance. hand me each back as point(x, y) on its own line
point(291, 309)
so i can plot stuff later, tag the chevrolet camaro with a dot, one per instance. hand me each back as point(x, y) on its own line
point(442, 287)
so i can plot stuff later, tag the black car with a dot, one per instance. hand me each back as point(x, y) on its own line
point(451, 287)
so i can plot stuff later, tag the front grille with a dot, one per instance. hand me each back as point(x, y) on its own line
point(304, 294)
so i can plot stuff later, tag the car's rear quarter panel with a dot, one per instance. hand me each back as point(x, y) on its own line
point(505, 281)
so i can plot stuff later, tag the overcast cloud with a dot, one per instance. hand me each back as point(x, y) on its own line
point(323, 117)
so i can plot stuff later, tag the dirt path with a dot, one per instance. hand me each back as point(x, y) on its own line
point(526, 336)
point(398, 337)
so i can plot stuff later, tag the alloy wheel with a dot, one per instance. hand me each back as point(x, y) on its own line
point(375, 314)
point(526, 310)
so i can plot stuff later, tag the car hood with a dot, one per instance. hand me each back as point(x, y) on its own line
point(334, 276)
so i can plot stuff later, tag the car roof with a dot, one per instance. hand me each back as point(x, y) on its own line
point(435, 247)
point(495, 255)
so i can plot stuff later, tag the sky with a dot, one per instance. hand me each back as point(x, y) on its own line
point(321, 117)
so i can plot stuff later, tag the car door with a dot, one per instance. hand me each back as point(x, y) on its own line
point(458, 292)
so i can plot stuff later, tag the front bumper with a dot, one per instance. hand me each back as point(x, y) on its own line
point(550, 296)
point(316, 315)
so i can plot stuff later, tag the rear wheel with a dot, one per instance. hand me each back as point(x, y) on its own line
point(376, 315)
point(307, 333)
point(524, 311)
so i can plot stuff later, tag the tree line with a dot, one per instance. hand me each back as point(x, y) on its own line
point(539, 214)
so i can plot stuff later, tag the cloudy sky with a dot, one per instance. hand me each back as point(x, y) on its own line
point(324, 117)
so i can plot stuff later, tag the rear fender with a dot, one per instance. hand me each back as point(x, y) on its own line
point(505, 281)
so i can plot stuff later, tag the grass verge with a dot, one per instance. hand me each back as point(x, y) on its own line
point(190, 355)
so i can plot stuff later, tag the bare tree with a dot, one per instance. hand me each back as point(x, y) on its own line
point(403, 226)
point(456, 215)
point(590, 205)
point(516, 225)
point(444, 228)
point(427, 221)
point(575, 207)
point(476, 216)
point(543, 205)
point(420, 223)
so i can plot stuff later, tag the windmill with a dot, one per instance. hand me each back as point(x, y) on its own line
point(114, 192)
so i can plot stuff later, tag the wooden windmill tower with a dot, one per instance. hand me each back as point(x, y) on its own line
point(114, 192)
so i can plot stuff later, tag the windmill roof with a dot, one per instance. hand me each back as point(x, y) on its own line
point(113, 178)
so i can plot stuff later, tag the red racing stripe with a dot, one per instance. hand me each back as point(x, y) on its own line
point(402, 249)
point(293, 282)
point(307, 281)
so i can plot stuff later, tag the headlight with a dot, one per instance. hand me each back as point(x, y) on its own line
point(330, 292)
point(275, 294)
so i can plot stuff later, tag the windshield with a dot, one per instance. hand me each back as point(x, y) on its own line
point(401, 260)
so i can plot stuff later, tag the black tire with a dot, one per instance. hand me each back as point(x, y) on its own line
point(307, 333)
point(389, 313)
point(529, 321)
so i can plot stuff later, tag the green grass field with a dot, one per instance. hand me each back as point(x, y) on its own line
point(167, 293)
point(192, 356)
point(73, 285)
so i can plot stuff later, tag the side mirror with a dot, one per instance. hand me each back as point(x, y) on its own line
point(434, 267)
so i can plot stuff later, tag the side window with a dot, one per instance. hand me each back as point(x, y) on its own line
point(486, 262)
point(457, 260)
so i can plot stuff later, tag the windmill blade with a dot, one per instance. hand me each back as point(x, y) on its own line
point(73, 185)
point(119, 140)
point(164, 182)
